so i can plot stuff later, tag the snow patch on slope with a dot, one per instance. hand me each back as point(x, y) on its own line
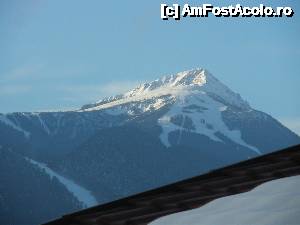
point(43, 124)
point(8, 122)
point(84, 196)
point(273, 203)
point(138, 98)
point(205, 113)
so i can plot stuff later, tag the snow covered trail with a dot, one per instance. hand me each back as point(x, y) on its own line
point(83, 195)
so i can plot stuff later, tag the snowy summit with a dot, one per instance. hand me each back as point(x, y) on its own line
point(195, 99)
point(180, 84)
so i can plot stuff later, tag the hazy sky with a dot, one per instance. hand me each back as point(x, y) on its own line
point(62, 54)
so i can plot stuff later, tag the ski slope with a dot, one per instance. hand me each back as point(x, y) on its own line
point(83, 195)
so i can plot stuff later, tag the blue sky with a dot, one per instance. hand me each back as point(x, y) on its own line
point(62, 54)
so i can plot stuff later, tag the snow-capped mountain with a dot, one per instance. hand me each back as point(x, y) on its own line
point(197, 100)
point(160, 132)
point(190, 82)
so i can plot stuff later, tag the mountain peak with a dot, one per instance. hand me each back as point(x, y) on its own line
point(191, 77)
point(182, 83)
point(185, 78)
